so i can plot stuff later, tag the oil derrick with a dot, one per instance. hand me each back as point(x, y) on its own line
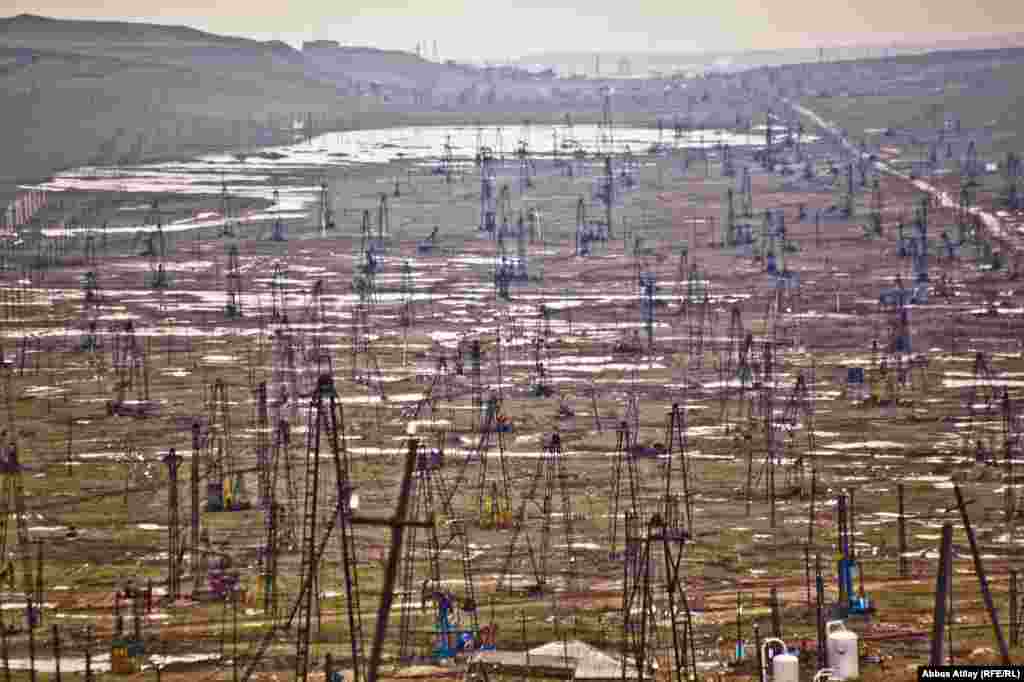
point(278, 524)
point(550, 477)
point(317, 354)
point(450, 635)
point(525, 165)
point(767, 414)
point(427, 496)
point(488, 192)
point(504, 271)
point(648, 289)
point(447, 160)
point(736, 338)
point(676, 448)
point(405, 315)
point(369, 248)
point(521, 272)
point(279, 295)
point(12, 503)
point(964, 216)
point(194, 541)
point(606, 194)
point(155, 248)
point(505, 216)
point(383, 221)
point(493, 500)
point(767, 160)
point(863, 164)
point(364, 361)
point(175, 548)
point(225, 482)
point(583, 233)
point(983, 390)
point(892, 370)
point(263, 452)
point(266, 464)
point(628, 169)
point(326, 210)
point(278, 233)
point(876, 207)
point(639, 620)
point(326, 427)
point(728, 170)
point(729, 236)
point(847, 208)
point(673, 539)
point(233, 282)
point(284, 377)
point(624, 474)
point(540, 387)
point(747, 199)
point(228, 228)
point(799, 411)
point(919, 254)
point(970, 163)
point(606, 129)
point(697, 311)
point(131, 372)
point(475, 361)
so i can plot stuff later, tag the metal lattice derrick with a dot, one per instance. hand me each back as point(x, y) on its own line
point(226, 489)
point(798, 413)
point(673, 539)
point(550, 478)
point(488, 192)
point(421, 560)
point(263, 451)
point(12, 503)
point(624, 459)
point(983, 388)
point(525, 165)
point(175, 548)
point(279, 295)
point(318, 356)
point(504, 215)
point(736, 339)
point(492, 496)
point(348, 563)
point(676, 448)
point(638, 609)
point(326, 423)
point(321, 425)
point(233, 284)
point(383, 220)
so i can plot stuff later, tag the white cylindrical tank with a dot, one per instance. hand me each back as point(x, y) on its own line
point(785, 668)
point(843, 653)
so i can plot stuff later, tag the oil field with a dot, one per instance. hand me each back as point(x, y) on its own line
point(605, 378)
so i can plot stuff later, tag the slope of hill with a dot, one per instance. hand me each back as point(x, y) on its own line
point(75, 92)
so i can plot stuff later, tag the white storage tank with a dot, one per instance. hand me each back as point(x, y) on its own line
point(843, 653)
point(785, 668)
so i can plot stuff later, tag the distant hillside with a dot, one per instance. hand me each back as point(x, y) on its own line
point(77, 92)
point(641, 63)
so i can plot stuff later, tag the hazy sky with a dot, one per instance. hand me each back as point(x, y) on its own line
point(497, 29)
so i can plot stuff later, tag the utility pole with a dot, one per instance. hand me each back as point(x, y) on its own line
point(397, 524)
point(173, 534)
